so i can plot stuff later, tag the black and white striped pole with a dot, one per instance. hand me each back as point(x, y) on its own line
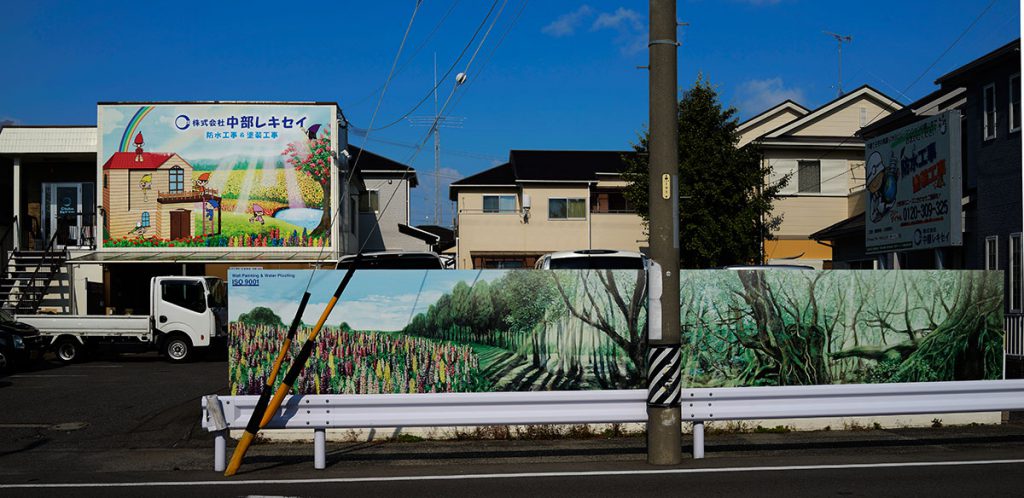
point(664, 424)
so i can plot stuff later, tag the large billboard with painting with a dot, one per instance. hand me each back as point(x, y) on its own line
point(406, 331)
point(216, 175)
point(914, 185)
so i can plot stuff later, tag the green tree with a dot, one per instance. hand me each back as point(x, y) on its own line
point(261, 316)
point(725, 205)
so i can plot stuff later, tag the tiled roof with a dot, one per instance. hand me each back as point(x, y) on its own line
point(549, 166)
point(128, 160)
point(47, 139)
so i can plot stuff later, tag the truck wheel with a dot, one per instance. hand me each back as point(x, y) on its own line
point(68, 350)
point(178, 348)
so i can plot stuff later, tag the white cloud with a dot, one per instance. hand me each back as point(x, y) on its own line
point(374, 312)
point(566, 24)
point(622, 18)
point(754, 96)
point(113, 121)
point(629, 24)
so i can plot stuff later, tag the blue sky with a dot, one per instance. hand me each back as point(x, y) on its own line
point(564, 77)
point(369, 301)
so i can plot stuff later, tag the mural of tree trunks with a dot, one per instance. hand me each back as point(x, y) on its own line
point(402, 331)
point(776, 327)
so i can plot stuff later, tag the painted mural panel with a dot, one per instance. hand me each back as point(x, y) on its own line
point(216, 175)
point(400, 331)
point(777, 327)
point(403, 331)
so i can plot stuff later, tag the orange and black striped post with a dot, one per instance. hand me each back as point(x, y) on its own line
point(264, 410)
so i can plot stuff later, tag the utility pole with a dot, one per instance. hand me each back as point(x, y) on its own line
point(664, 424)
point(840, 39)
point(437, 122)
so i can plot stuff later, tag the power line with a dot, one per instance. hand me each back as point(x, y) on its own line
point(437, 118)
point(490, 55)
point(889, 107)
point(415, 52)
point(387, 81)
point(446, 74)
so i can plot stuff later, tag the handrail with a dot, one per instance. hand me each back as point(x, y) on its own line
point(5, 257)
point(38, 299)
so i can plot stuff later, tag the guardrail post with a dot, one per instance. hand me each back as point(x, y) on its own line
point(319, 448)
point(220, 451)
point(698, 439)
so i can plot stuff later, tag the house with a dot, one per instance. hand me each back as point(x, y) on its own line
point(543, 201)
point(986, 92)
point(136, 209)
point(384, 205)
point(819, 150)
point(168, 201)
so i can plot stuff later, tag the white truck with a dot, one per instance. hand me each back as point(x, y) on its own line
point(186, 314)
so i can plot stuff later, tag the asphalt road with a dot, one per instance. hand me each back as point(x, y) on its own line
point(129, 427)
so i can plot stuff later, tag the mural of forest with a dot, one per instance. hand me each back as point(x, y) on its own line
point(777, 327)
point(525, 330)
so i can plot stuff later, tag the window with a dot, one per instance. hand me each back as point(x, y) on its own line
point(992, 253)
point(145, 219)
point(499, 203)
point(610, 201)
point(106, 180)
point(808, 176)
point(988, 95)
point(369, 202)
point(1015, 102)
point(176, 180)
point(567, 209)
point(1015, 272)
point(188, 294)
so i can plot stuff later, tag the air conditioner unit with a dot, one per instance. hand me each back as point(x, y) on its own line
point(526, 201)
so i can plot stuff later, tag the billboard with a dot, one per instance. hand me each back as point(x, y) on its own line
point(406, 331)
point(216, 175)
point(914, 185)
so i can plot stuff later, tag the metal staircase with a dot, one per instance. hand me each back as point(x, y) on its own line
point(31, 281)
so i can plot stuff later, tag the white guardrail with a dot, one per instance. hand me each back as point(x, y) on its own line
point(322, 412)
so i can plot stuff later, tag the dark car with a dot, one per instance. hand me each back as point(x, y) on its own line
point(19, 342)
point(393, 261)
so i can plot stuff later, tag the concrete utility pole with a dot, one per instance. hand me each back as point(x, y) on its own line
point(664, 427)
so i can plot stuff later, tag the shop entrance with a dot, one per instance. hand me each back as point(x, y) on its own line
point(69, 214)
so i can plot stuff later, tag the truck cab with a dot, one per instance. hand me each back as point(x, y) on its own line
point(194, 307)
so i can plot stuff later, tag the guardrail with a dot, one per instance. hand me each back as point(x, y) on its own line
point(850, 400)
point(322, 412)
point(1014, 327)
point(346, 411)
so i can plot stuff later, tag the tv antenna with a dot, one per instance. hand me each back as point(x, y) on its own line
point(840, 40)
point(437, 122)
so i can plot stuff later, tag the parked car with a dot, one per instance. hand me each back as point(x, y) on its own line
point(19, 342)
point(593, 259)
point(393, 260)
point(767, 267)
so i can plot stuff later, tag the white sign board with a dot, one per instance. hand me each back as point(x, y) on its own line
point(914, 185)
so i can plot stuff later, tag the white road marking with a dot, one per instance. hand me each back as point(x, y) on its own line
point(519, 475)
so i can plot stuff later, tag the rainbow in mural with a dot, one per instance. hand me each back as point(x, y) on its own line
point(217, 175)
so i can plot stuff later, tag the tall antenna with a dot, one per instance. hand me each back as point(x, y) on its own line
point(840, 40)
point(437, 122)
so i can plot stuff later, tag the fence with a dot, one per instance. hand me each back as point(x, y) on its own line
point(1015, 334)
point(321, 412)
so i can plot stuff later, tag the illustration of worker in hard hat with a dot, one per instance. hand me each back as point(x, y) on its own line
point(146, 184)
point(201, 182)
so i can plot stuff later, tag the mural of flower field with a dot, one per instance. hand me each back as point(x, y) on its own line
point(400, 331)
point(225, 175)
point(466, 331)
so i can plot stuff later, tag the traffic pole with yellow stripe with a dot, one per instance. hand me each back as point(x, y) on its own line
point(267, 413)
